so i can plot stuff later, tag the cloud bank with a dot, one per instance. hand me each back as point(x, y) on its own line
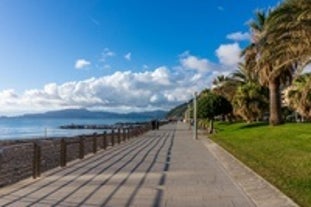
point(124, 91)
point(121, 91)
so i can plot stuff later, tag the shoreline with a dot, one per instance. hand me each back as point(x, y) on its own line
point(71, 127)
point(16, 129)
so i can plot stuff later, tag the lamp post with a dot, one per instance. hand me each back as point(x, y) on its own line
point(189, 116)
point(195, 128)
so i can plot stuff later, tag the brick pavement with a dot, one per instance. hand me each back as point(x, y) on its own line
point(160, 168)
point(196, 178)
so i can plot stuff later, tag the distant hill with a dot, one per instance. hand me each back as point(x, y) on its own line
point(84, 113)
point(178, 111)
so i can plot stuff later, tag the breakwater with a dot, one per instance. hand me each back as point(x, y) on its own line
point(20, 159)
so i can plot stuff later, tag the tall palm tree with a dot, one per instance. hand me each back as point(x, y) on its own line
point(252, 55)
point(284, 47)
point(281, 43)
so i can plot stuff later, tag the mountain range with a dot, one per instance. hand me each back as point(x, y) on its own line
point(84, 113)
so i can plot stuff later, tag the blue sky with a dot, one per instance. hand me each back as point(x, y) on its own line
point(62, 54)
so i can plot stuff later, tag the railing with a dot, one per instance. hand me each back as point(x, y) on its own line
point(20, 159)
point(98, 142)
point(36, 169)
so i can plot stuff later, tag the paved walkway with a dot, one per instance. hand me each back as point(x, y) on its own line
point(161, 168)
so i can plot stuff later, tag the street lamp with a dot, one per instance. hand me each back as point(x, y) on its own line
point(188, 119)
point(195, 128)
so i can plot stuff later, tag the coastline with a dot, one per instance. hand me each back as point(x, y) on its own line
point(98, 129)
point(37, 128)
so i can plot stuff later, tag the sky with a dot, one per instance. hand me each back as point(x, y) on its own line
point(117, 55)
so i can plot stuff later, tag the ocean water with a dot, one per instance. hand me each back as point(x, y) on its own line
point(24, 128)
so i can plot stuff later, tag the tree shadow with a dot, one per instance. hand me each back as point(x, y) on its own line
point(254, 125)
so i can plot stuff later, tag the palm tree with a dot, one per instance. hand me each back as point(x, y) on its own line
point(298, 95)
point(250, 101)
point(219, 85)
point(219, 80)
point(244, 74)
point(289, 35)
point(252, 55)
point(224, 86)
point(242, 89)
point(284, 46)
point(281, 43)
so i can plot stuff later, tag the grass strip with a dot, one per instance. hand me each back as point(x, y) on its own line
point(280, 154)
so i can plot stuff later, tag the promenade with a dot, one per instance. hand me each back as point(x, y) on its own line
point(161, 168)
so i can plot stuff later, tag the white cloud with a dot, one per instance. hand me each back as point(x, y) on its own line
point(192, 62)
point(107, 53)
point(128, 56)
point(229, 54)
point(161, 88)
point(82, 63)
point(239, 36)
point(161, 75)
point(8, 94)
point(124, 91)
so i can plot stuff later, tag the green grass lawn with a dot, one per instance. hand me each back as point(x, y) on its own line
point(281, 154)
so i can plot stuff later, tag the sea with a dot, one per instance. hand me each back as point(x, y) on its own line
point(32, 128)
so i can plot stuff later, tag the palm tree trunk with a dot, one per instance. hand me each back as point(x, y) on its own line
point(275, 102)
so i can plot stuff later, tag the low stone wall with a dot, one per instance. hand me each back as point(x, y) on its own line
point(18, 158)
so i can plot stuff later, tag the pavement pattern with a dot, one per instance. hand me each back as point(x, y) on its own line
point(165, 167)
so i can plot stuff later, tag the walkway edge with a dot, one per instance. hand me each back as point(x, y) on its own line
point(259, 190)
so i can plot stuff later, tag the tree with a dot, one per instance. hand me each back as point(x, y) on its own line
point(253, 61)
point(281, 44)
point(298, 95)
point(288, 35)
point(244, 75)
point(242, 88)
point(250, 53)
point(224, 86)
point(250, 101)
point(211, 105)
